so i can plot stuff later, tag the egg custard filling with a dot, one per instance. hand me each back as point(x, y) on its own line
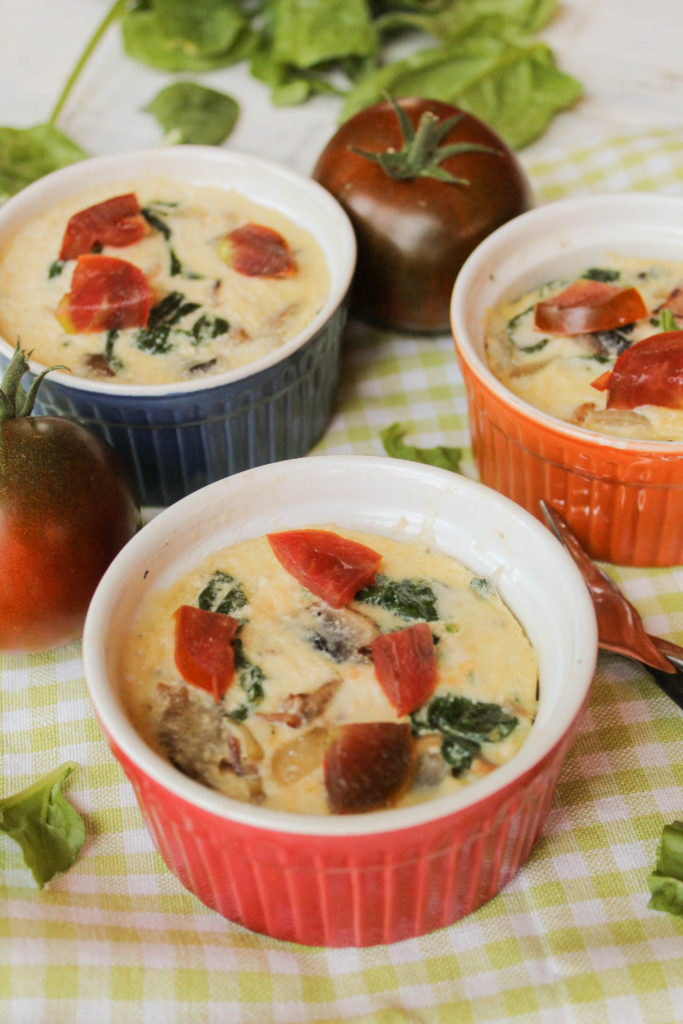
point(326, 671)
point(603, 350)
point(158, 281)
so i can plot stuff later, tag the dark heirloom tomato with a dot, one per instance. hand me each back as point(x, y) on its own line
point(417, 218)
point(650, 372)
point(66, 508)
point(117, 221)
point(586, 306)
point(107, 294)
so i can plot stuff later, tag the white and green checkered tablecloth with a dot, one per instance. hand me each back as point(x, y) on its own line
point(117, 939)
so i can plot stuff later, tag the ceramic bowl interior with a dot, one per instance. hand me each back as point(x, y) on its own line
point(178, 437)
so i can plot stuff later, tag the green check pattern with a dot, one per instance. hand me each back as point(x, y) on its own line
point(570, 939)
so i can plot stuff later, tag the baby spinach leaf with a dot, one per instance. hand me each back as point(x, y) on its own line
point(601, 274)
point(26, 154)
point(203, 26)
point(192, 113)
point(251, 680)
point(306, 33)
point(49, 830)
point(666, 881)
point(506, 78)
point(392, 439)
point(223, 593)
point(464, 724)
point(409, 599)
point(145, 39)
point(447, 22)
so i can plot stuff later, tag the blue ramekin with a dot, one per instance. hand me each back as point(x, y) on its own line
point(175, 438)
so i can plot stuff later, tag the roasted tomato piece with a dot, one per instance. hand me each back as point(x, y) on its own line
point(331, 567)
point(405, 666)
point(587, 306)
point(203, 653)
point(117, 221)
point(648, 373)
point(257, 251)
point(366, 764)
point(107, 294)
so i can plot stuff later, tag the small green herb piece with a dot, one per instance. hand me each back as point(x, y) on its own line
point(49, 830)
point(191, 113)
point(667, 321)
point(55, 268)
point(409, 599)
point(482, 586)
point(607, 276)
point(464, 724)
point(666, 881)
point(442, 456)
point(222, 594)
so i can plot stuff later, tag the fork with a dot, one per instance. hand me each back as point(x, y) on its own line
point(620, 627)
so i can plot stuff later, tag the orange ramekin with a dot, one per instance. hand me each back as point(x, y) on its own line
point(623, 498)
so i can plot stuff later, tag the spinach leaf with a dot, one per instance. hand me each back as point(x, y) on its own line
point(666, 881)
point(251, 679)
point(447, 21)
point(173, 35)
point(222, 594)
point(482, 586)
point(506, 78)
point(191, 113)
point(409, 599)
point(28, 153)
point(464, 724)
point(394, 445)
point(49, 830)
point(309, 32)
point(601, 274)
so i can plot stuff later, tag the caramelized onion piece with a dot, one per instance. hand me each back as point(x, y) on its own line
point(294, 760)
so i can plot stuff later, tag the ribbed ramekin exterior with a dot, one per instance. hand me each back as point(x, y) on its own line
point(354, 890)
point(174, 444)
point(626, 507)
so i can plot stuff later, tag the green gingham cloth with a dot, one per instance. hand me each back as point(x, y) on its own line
point(570, 939)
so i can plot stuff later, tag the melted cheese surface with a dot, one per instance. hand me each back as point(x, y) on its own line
point(259, 313)
point(554, 373)
point(309, 656)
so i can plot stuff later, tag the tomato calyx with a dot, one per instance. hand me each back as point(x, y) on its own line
point(650, 372)
point(14, 400)
point(422, 154)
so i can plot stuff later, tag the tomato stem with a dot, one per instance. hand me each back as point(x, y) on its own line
point(14, 400)
point(422, 152)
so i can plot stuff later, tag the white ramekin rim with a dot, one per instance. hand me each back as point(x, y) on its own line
point(572, 626)
point(561, 230)
point(302, 197)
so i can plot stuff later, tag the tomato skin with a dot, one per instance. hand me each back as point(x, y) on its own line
point(107, 294)
point(257, 251)
point(414, 235)
point(331, 567)
point(650, 372)
point(203, 652)
point(117, 221)
point(66, 508)
point(405, 666)
point(586, 306)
